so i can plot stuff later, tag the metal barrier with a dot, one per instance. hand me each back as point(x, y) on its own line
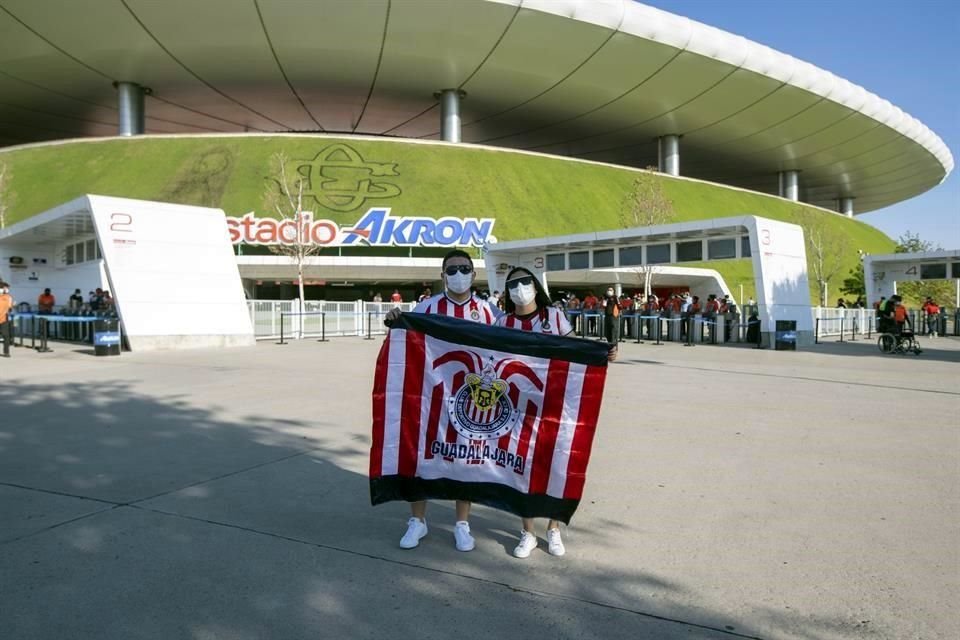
point(586, 324)
point(66, 328)
point(342, 318)
point(323, 324)
point(835, 321)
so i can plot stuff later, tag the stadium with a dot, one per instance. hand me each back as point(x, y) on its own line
point(434, 124)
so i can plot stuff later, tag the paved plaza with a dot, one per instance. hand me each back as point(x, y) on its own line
point(732, 493)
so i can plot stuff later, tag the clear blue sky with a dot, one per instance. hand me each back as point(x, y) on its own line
point(905, 52)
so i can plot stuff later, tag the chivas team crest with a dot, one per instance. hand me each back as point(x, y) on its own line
point(501, 417)
point(481, 409)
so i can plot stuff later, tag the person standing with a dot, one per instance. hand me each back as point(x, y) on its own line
point(626, 309)
point(528, 308)
point(46, 302)
point(6, 326)
point(589, 306)
point(457, 301)
point(885, 319)
point(651, 309)
point(611, 317)
point(76, 300)
point(932, 312)
point(900, 315)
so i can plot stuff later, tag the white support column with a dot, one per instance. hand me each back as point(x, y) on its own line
point(668, 154)
point(450, 113)
point(790, 185)
point(130, 104)
point(845, 206)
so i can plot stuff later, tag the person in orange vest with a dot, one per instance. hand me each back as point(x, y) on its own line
point(45, 302)
point(626, 309)
point(931, 310)
point(6, 327)
point(900, 316)
point(675, 303)
point(589, 306)
point(713, 305)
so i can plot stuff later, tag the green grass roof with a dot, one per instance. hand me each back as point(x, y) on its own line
point(530, 196)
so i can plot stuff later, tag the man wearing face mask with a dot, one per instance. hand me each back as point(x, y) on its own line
point(457, 301)
point(6, 327)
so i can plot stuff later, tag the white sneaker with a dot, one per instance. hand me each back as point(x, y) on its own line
point(528, 542)
point(461, 534)
point(416, 529)
point(554, 543)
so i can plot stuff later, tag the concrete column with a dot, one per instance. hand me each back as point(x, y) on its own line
point(845, 206)
point(450, 114)
point(130, 103)
point(668, 154)
point(790, 185)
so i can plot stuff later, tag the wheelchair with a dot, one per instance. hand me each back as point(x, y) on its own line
point(903, 343)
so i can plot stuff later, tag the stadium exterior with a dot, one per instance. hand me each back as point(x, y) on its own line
point(593, 84)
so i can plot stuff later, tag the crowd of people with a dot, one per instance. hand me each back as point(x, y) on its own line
point(609, 315)
point(97, 303)
point(621, 313)
point(893, 316)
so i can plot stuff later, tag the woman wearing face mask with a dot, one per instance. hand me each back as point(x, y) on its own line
point(456, 301)
point(528, 308)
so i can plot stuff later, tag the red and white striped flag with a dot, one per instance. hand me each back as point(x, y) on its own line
point(496, 416)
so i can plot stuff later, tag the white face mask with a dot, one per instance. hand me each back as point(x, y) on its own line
point(523, 294)
point(459, 282)
point(609, 292)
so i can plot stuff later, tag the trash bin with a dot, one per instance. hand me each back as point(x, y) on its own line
point(785, 338)
point(106, 337)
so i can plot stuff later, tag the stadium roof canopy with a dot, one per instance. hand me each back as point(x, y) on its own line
point(592, 79)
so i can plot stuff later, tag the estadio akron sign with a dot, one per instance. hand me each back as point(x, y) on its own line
point(340, 179)
point(377, 228)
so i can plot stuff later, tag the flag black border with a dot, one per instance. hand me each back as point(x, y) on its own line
point(412, 489)
point(537, 345)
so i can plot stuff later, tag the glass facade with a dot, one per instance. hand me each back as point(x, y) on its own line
point(631, 256)
point(689, 251)
point(580, 260)
point(603, 258)
point(722, 249)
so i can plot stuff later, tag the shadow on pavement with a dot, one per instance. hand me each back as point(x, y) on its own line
point(194, 526)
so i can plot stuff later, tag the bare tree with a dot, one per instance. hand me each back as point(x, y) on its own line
point(284, 196)
point(646, 205)
point(5, 178)
point(826, 249)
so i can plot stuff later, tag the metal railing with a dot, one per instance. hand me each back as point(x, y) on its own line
point(318, 318)
point(845, 324)
point(365, 319)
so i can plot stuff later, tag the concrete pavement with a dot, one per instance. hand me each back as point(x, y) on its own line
point(732, 493)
